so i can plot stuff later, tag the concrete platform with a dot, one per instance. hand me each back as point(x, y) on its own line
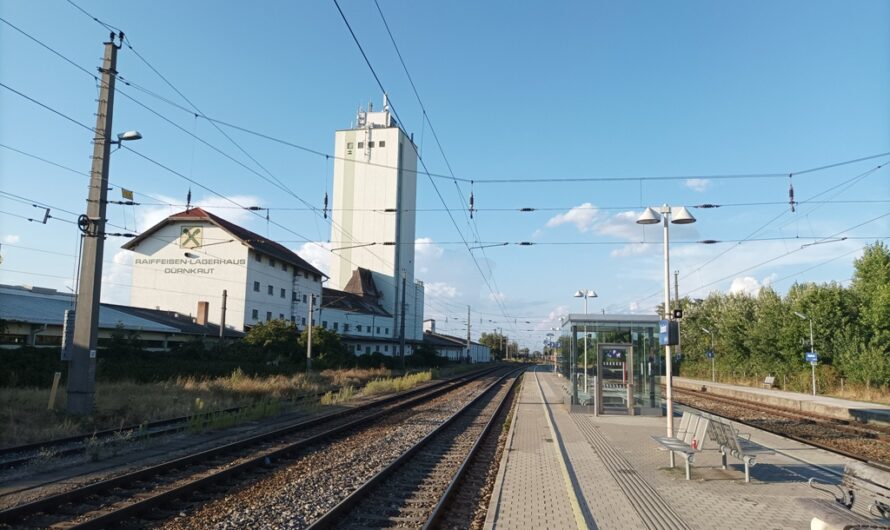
point(564, 470)
point(842, 409)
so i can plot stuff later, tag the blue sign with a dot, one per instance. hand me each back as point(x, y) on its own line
point(811, 357)
point(710, 355)
point(668, 333)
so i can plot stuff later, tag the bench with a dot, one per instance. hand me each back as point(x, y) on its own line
point(688, 439)
point(727, 439)
point(869, 481)
point(769, 381)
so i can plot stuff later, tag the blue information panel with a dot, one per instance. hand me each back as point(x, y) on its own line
point(811, 357)
point(710, 355)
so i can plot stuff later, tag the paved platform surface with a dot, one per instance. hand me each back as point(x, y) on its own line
point(832, 406)
point(564, 470)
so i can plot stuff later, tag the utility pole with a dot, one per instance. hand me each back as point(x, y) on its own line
point(309, 335)
point(82, 370)
point(468, 333)
point(402, 321)
point(677, 301)
point(222, 317)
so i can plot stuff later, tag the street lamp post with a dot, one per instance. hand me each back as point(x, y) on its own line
point(677, 215)
point(713, 370)
point(585, 294)
point(812, 347)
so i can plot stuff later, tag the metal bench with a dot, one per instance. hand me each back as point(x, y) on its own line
point(730, 443)
point(688, 440)
point(769, 381)
point(869, 481)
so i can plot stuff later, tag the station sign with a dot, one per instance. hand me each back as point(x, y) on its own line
point(668, 333)
point(811, 357)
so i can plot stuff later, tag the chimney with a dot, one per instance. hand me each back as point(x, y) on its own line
point(203, 311)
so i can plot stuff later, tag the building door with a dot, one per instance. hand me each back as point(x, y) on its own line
point(615, 379)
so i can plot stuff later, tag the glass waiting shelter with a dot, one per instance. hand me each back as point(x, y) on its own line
point(612, 363)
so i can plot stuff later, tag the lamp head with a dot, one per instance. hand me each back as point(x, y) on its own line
point(681, 216)
point(129, 136)
point(649, 217)
point(591, 294)
point(801, 315)
point(579, 294)
point(706, 331)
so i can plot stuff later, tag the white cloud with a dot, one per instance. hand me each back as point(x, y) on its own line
point(11, 239)
point(318, 254)
point(117, 276)
point(621, 225)
point(745, 285)
point(149, 216)
point(497, 297)
point(582, 217)
point(440, 290)
point(425, 248)
point(698, 185)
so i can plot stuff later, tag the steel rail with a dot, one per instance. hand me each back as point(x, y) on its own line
point(410, 398)
point(329, 519)
point(177, 424)
point(452, 488)
point(779, 432)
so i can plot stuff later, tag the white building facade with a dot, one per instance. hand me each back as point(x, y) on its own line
point(194, 256)
point(375, 198)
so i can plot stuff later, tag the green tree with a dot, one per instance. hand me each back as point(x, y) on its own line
point(327, 349)
point(496, 342)
point(278, 338)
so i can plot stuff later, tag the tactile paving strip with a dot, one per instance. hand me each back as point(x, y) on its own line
point(655, 512)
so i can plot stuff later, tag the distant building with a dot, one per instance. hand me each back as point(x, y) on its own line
point(454, 348)
point(356, 314)
point(33, 316)
point(373, 217)
point(193, 256)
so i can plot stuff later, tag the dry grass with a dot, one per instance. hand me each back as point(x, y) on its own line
point(396, 384)
point(24, 418)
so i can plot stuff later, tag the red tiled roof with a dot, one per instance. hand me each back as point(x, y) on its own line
point(253, 240)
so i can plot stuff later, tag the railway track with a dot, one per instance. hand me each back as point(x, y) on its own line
point(418, 488)
point(867, 444)
point(16, 456)
point(146, 491)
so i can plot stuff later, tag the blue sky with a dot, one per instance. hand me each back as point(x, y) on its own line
point(513, 91)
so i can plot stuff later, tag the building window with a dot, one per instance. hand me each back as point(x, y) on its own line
point(345, 328)
point(293, 319)
point(377, 348)
point(283, 292)
point(271, 290)
point(303, 321)
point(316, 277)
point(305, 300)
point(381, 143)
point(324, 324)
point(358, 327)
point(280, 316)
point(255, 314)
point(348, 145)
point(368, 349)
point(361, 145)
point(256, 286)
point(386, 348)
point(306, 274)
point(294, 298)
point(378, 330)
point(336, 326)
point(268, 316)
point(272, 262)
point(258, 257)
point(387, 331)
point(284, 267)
point(370, 144)
point(358, 347)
